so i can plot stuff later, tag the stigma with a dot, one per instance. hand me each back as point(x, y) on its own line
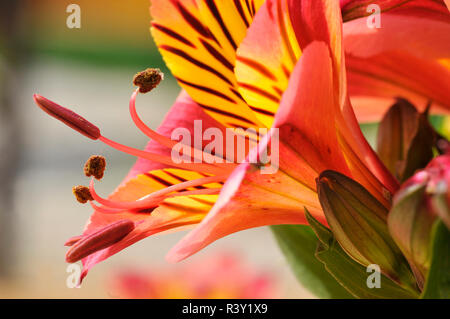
point(99, 240)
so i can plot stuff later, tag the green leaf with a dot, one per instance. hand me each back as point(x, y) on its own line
point(348, 272)
point(298, 243)
point(438, 281)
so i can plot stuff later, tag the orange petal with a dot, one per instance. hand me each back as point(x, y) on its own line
point(265, 59)
point(249, 199)
point(172, 214)
point(373, 82)
point(198, 41)
point(419, 35)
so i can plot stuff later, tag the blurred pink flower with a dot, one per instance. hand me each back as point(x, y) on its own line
point(222, 275)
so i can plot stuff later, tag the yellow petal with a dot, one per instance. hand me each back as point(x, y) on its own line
point(198, 41)
point(266, 58)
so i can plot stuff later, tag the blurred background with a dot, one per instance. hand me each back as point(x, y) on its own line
point(89, 69)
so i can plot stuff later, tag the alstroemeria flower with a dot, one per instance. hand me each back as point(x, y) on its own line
point(244, 64)
point(201, 44)
point(221, 275)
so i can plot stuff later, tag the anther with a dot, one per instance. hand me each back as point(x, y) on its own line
point(148, 79)
point(82, 193)
point(99, 240)
point(95, 166)
point(68, 117)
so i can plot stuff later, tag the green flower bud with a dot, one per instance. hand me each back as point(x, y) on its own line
point(359, 223)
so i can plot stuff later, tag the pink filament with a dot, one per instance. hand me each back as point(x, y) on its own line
point(156, 197)
point(198, 167)
point(163, 140)
point(107, 210)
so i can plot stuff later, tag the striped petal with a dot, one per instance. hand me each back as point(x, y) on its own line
point(266, 58)
point(172, 214)
point(198, 41)
point(273, 46)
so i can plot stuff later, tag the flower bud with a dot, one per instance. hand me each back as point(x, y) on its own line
point(359, 223)
point(405, 140)
point(421, 200)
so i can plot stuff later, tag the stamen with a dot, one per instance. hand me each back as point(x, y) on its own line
point(148, 79)
point(156, 197)
point(86, 128)
point(99, 240)
point(95, 166)
point(206, 191)
point(107, 210)
point(167, 160)
point(82, 194)
point(144, 128)
point(161, 139)
point(68, 117)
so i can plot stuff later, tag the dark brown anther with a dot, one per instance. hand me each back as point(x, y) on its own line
point(99, 240)
point(82, 194)
point(148, 79)
point(95, 166)
point(68, 117)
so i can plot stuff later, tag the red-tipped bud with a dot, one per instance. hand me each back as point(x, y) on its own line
point(68, 117)
point(421, 201)
point(99, 240)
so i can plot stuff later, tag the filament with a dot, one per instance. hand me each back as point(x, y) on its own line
point(156, 197)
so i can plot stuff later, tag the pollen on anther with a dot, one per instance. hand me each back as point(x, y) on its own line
point(95, 166)
point(148, 79)
point(82, 194)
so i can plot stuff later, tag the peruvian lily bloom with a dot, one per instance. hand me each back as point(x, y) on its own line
point(242, 64)
point(221, 275)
